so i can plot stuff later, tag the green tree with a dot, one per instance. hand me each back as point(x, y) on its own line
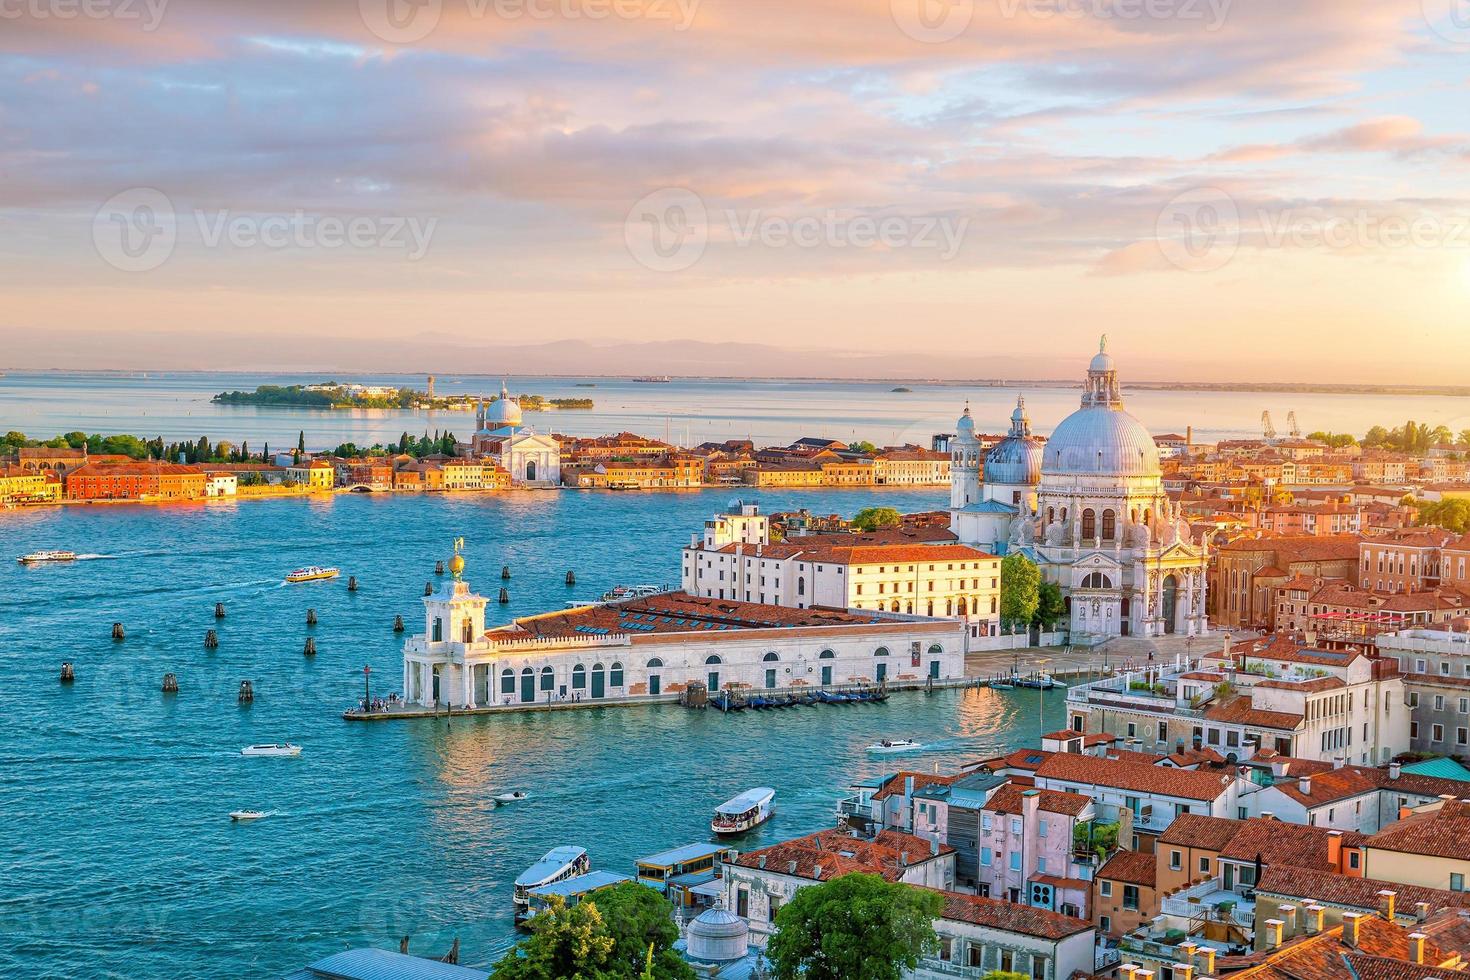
point(1050, 606)
point(872, 518)
point(301, 442)
point(1452, 514)
point(1377, 436)
point(1020, 588)
point(862, 446)
point(567, 943)
point(856, 927)
point(640, 922)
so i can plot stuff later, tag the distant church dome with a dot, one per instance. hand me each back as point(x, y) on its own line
point(1016, 459)
point(717, 936)
point(965, 427)
point(504, 411)
point(1100, 438)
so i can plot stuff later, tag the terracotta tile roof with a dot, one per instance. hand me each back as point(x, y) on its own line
point(1128, 755)
point(1326, 957)
point(1136, 776)
point(679, 612)
point(1278, 842)
point(1289, 649)
point(1444, 833)
point(1333, 785)
point(831, 854)
point(1026, 760)
point(1007, 800)
point(1289, 549)
point(992, 913)
point(1311, 686)
point(1241, 710)
point(1351, 892)
point(1198, 830)
point(1131, 867)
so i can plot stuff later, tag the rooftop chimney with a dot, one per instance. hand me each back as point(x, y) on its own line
point(908, 786)
point(1421, 911)
point(1288, 916)
point(934, 845)
point(1334, 849)
point(817, 871)
point(1184, 971)
point(1338, 762)
point(1394, 769)
point(1267, 815)
point(1315, 916)
point(1416, 947)
point(1207, 960)
point(791, 867)
point(760, 862)
point(1273, 933)
point(903, 859)
point(1305, 785)
point(1385, 903)
point(1127, 970)
point(1350, 929)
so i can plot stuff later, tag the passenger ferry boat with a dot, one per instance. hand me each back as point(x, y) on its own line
point(572, 890)
point(746, 811)
point(38, 557)
point(312, 573)
point(559, 864)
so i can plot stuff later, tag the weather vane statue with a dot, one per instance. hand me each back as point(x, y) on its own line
point(456, 564)
point(1102, 347)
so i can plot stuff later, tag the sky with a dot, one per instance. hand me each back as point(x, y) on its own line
point(1232, 190)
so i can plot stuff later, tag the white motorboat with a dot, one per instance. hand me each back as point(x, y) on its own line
point(894, 746)
point(750, 809)
point(41, 557)
point(559, 864)
point(272, 749)
point(514, 796)
point(245, 816)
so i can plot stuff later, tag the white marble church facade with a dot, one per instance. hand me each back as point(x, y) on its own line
point(528, 457)
point(1088, 506)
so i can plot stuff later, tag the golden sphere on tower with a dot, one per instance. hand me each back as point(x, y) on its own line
point(456, 565)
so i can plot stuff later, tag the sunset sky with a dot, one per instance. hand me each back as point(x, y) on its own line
point(1231, 189)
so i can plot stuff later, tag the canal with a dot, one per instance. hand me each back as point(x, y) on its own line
point(118, 856)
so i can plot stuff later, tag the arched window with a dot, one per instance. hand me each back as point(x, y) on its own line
point(800, 585)
point(548, 679)
point(713, 660)
point(1110, 525)
point(1051, 515)
point(579, 676)
point(770, 658)
point(1064, 515)
point(895, 606)
point(949, 607)
point(1089, 523)
point(1148, 516)
point(826, 655)
point(881, 652)
point(964, 609)
point(615, 674)
point(507, 681)
point(935, 648)
point(655, 662)
point(1097, 580)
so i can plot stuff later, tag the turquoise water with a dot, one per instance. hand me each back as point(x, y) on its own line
point(116, 853)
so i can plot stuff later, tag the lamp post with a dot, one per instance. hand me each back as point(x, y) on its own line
point(367, 693)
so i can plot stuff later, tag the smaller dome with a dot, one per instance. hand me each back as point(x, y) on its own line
point(1102, 361)
point(1015, 461)
point(966, 424)
point(718, 935)
point(456, 566)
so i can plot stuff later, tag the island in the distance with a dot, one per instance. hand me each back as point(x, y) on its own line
point(332, 394)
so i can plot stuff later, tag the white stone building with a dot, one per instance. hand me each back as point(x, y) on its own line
point(500, 435)
point(1091, 512)
point(734, 558)
point(654, 647)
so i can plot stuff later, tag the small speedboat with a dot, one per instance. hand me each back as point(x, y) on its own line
point(894, 746)
point(1002, 686)
point(1037, 682)
point(245, 816)
point(312, 573)
point(41, 557)
point(272, 749)
point(514, 796)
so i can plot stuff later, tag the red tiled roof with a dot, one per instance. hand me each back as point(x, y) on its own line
point(1131, 867)
point(993, 913)
point(1355, 893)
point(1008, 798)
point(1278, 842)
point(830, 854)
point(1166, 781)
point(1443, 833)
point(1241, 710)
point(1198, 830)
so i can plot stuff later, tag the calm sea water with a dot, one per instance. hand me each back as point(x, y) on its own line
point(177, 406)
point(116, 853)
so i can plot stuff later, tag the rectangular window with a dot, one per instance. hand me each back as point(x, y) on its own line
point(1457, 882)
point(984, 821)
point(1041, 826)
point(1105, 889)
point(1436, 733)
point(1041, 865)
point(1204, 863)
point(1462, 736)
point(1106, 924)
point(1176, 861)
point(1015, 860)
point(1015, 825)
point(1130, 897)
point(984, 857)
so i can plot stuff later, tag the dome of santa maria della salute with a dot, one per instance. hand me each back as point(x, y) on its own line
point(1100, 438)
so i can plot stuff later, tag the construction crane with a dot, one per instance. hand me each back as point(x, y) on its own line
point(1296, 430)
point(1268, 431)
